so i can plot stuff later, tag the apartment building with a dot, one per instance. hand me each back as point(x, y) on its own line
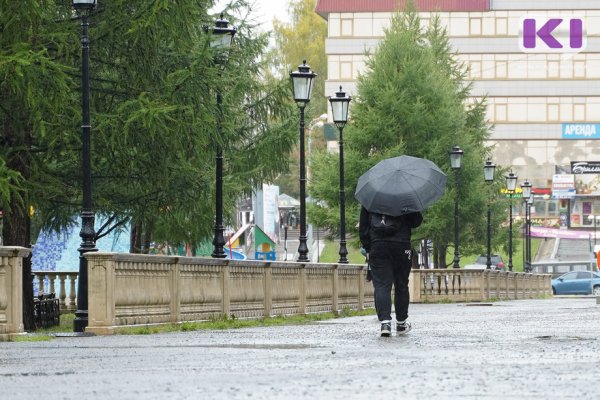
point(538, 64)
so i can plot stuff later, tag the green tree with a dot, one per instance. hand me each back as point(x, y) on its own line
point(413, 100)
point(302, 39)
point(154, 117)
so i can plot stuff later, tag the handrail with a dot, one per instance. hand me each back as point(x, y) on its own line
point(46, 282)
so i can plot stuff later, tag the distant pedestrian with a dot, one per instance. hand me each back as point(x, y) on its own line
point(386, 240)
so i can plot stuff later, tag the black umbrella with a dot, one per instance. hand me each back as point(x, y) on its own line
point(400, 185)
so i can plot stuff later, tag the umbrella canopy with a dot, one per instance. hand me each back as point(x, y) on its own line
point(400, 185)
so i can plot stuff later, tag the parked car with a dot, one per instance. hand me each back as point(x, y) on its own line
point(497, 263)
point(577, 282)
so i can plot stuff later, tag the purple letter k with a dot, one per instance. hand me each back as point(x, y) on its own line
point(545, 33)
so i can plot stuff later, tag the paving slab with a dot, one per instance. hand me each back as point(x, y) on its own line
point(522, 349)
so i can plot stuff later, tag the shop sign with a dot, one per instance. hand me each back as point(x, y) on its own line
point(563, 186)
point(581, 131)
point(585, 167)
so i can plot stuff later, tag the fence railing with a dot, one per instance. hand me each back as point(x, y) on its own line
point(48, 281)
point(127, 289)
point(431, 285)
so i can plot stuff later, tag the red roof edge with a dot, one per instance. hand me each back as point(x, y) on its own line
point(325, 7)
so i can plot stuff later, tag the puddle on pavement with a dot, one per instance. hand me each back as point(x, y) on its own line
point(280, 346)
point(563, 338)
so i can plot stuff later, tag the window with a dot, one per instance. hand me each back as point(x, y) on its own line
point(570, 276)
point(500, 112)
point(500, 69)
point(579, 69)
point(475, 70)
point(553, 69)
point(501, 26)
point(584, 275)
point(579, 112)
point(553, 111)
point(475, 26)
point(347, 27)
point(345, 70)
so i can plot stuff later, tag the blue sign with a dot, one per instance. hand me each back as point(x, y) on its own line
point(581, 131)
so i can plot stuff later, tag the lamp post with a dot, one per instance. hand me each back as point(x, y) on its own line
point(488, 174)
point(526, 188)
point(302, 80)
point(339, 111)
point(529, 204)
point(84, 8)
point(511, 185)
point(455, 160)
point(222, 36)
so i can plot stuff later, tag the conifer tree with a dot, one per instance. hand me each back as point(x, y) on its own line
point(412, 100)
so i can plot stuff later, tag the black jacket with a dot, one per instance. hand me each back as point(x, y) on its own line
point(402, 236)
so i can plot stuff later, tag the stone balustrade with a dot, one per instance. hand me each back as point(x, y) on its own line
point(432, 285)
point(11, 291)
point(132, 289)
point(127, 289)
point(66, 284)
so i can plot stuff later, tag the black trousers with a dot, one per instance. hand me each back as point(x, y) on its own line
point(390, 266)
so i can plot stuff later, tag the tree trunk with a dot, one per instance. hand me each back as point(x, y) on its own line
point(16, 229)
point(147, 238)
point(135, 246)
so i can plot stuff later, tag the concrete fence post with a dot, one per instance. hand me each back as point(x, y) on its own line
point(335, 289)
point(361, 288)
point(414, 285)
point(101, 295)
point(11, 291)
point(175, 292)
point(268, 289)
point(225, 290)
point(302, 290)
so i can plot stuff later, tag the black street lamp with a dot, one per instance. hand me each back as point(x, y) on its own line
point(526, 188)
point(529, 204)
point(84, 8)
point(511, 185)
point(455, 160)
point(222, 36)
point(488, 174)
point(302, 80)
point(339, 110)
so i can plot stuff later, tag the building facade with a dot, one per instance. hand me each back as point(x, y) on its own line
point(536, 62)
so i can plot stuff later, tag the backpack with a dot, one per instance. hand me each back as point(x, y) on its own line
point(384, 225)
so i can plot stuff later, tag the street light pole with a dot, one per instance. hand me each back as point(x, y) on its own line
point(455, 160)
point(529, 204)
point(488, 174)
point(302, 80)
point(339, 109)
point(222, 36)
point(511, 185)
point(526, 188)
point(87, 233)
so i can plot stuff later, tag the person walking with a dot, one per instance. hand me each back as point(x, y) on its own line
point(386, 240)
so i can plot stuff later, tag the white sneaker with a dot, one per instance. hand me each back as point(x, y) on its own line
point(402, 328)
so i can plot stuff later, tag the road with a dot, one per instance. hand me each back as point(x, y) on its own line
point(523, 349)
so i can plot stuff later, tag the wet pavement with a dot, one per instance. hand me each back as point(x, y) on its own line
point(524, 349)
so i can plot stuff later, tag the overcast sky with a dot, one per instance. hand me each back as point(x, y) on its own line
point(265, 11)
